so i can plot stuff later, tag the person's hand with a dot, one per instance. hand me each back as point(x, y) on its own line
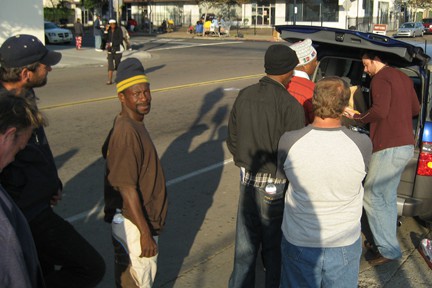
point(349, 112)
point(149, 247)
point(56, 197)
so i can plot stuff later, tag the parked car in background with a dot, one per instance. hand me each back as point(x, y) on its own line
point(410, 29)
point(55, 34)
point(339, 54)
point(427, 24)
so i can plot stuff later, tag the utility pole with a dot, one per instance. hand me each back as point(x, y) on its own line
point(110, 2)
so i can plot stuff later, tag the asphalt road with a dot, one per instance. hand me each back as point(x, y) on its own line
point(192, 96)
point(194, 85)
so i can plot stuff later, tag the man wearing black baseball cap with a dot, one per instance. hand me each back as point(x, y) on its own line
point(32, 179)
point(25, 62)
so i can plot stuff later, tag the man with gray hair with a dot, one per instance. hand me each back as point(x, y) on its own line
point(325, 164)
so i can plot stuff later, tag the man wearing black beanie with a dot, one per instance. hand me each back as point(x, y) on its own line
point(135, 190)
point(261, 113)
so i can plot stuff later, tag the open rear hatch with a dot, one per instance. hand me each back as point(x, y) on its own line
point(352, 43)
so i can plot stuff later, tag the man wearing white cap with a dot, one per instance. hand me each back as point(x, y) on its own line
point(114, 48)
point(301, 87)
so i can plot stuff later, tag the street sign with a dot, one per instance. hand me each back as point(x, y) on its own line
point(380, 29)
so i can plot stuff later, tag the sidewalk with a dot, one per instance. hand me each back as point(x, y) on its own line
point(90, 57)
point(87, 56)
point(250, 34)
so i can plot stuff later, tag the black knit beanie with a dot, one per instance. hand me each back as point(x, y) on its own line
point(130, 72)
point(280, 59)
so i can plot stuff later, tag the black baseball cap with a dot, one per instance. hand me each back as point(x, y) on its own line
point(22, 50)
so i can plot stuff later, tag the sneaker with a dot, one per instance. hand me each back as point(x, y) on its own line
point(425, 249)
point(98, 50)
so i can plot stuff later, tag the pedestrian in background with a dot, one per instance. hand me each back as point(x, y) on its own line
point(322, 246)
point(126, 38)
point(261, 114)
point(114, 47)
point(135, 188)
point(19, 263)
point(32, 181)
point(301, 87)
point(394, 104)
point(98, 31)
point(79, 32)
point(105, 36)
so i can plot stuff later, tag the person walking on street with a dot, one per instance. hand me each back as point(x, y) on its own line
point(323, 203)
point(261, 114)
point(114, 47)
point(79, 32)
point(394, 104)
point(301, 87)
point(135, 188)
point(32, 179)
point(98, 31)
point(19, 263)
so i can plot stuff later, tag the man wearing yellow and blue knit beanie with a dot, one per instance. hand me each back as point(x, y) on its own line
point(135, 198)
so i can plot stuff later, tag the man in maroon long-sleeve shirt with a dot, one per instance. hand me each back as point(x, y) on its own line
point(394, 104)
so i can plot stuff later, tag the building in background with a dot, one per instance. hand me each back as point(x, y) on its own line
point(354, 14)
point(21, 17)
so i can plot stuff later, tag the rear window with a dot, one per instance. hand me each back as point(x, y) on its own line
point(407, 25)
point(49, 25)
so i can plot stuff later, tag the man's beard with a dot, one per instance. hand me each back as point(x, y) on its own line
point(38, 83)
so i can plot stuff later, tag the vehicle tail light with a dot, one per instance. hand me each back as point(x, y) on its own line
point(424, 166)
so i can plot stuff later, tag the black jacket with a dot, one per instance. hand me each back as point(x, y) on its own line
point(261, 114)
point(115, 38)
point(31, 180)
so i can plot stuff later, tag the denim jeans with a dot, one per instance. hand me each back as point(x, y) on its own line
point(380, 197)
point(259, 220)
point(98, 41)
point(320, 267)
point(59, 244)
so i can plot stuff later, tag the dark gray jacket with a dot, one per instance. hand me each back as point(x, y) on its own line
point(261, 114)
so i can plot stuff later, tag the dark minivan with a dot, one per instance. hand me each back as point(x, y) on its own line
point(339, 53)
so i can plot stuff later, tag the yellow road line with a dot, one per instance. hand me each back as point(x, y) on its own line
point(204, 83)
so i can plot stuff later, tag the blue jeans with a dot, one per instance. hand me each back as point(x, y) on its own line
point(320, 267)
point(380, 197)
point(259, 220)
point(98, 41)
